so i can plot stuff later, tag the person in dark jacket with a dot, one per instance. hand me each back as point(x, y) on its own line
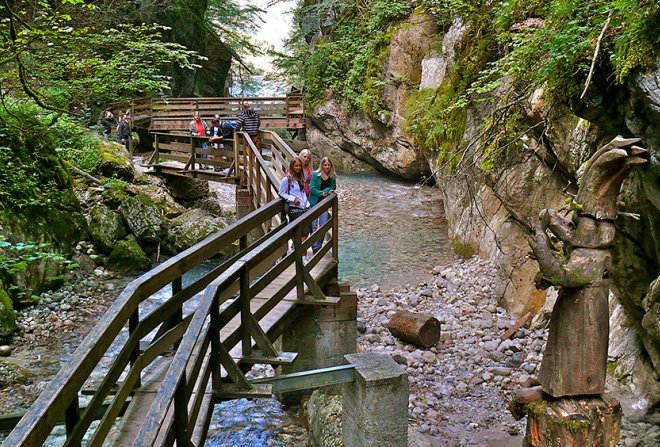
point(249, 121)
point(124, 131)
point(106, 122)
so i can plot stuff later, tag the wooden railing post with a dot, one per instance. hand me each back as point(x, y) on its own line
point(192, 151)
point(71, 418)
point(181, 414)
point(246, 343)
point(133, 323)
point(258, 185)
point(335, 229)
point(214, 331)
point(298, 254)
point(156, 157)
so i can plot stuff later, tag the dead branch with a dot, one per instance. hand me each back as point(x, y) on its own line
point(596, 51)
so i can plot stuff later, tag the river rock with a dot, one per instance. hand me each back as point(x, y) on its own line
point(186, 188)
point(11, 374)
point(106, 227)
point(192, 227)
point(5, 351)
point(143, 218)
point(127, 255)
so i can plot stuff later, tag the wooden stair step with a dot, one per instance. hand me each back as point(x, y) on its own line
point(284, 358)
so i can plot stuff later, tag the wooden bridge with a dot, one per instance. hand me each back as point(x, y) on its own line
point(173, 367)
point(175, 114)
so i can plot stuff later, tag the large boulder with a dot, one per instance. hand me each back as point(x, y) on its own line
point(106, 227)
point(192, 227)
point(116, 161)
point(185, 188)
point(156, 190)
point(143, 218)
point(127, 255)
point(7, 314)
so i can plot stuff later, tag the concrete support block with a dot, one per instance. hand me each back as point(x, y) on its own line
point(321, 336)
point(375, 405)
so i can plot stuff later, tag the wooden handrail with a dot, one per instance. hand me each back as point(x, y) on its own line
point(176, 408)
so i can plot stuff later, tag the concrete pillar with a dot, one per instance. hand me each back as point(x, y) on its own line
point(321, 336)
point(375, 405)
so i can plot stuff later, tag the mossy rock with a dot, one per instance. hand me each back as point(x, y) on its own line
point(106, 227)
point(143, 218)
point(115, 161)
point(127, 255)
point(161, 198)
point(7, 315)
point(114, 193)
point(192, 227)
point(12, 374)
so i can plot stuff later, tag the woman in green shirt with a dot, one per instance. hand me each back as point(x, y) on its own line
point(324, 181)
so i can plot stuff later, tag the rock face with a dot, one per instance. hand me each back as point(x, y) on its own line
point(106, 227)
point(143, 218)
point(380, 141)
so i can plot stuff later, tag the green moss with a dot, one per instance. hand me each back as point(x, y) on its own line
point(11, 373)
point(463, 250)
point(112, 153)
point(7, 314)
point(536, 409)
point(114, 193)
point(128, 255)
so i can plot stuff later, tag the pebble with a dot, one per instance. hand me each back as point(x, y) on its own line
point(5, 351)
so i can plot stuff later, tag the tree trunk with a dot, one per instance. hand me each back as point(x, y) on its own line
point(567, 422)
point(419, 329)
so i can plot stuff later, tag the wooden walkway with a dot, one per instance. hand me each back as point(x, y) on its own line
point(161, 389)
point(174, 114)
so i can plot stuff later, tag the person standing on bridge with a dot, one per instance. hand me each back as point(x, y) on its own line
point(199, 128)
point(307, 168)
point(324, 181)
point(292, 189)
point(249, 121)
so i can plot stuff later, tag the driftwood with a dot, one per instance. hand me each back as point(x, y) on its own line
point(568, 422)
point(419, 329)
point(517, 325)
point(575, 357)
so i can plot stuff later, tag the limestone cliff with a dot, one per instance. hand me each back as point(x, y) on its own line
point(489, 195)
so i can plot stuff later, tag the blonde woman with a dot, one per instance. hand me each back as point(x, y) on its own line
point(324, 181)
point(306, 159)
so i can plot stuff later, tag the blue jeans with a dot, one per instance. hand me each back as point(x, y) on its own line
point(323, 218)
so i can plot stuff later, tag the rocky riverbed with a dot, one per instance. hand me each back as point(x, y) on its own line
point(459, 388)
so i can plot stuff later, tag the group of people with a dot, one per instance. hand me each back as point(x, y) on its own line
point(304, 187)
point(248, 120)
point(124, 125)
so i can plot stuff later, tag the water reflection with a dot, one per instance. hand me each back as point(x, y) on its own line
point(390, 232)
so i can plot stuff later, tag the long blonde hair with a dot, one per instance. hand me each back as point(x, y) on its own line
point(311, 160)
point(332, 173)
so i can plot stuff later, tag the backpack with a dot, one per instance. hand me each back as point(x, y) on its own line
point(227, 129)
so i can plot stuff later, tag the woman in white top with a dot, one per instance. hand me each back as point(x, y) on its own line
point(292, 189)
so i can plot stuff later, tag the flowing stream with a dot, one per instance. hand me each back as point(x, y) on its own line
point(391, 233)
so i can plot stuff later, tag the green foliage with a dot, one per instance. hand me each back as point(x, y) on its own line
point(66, 55)
point(347, 60)
point(33, 176)
point(17, 257)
